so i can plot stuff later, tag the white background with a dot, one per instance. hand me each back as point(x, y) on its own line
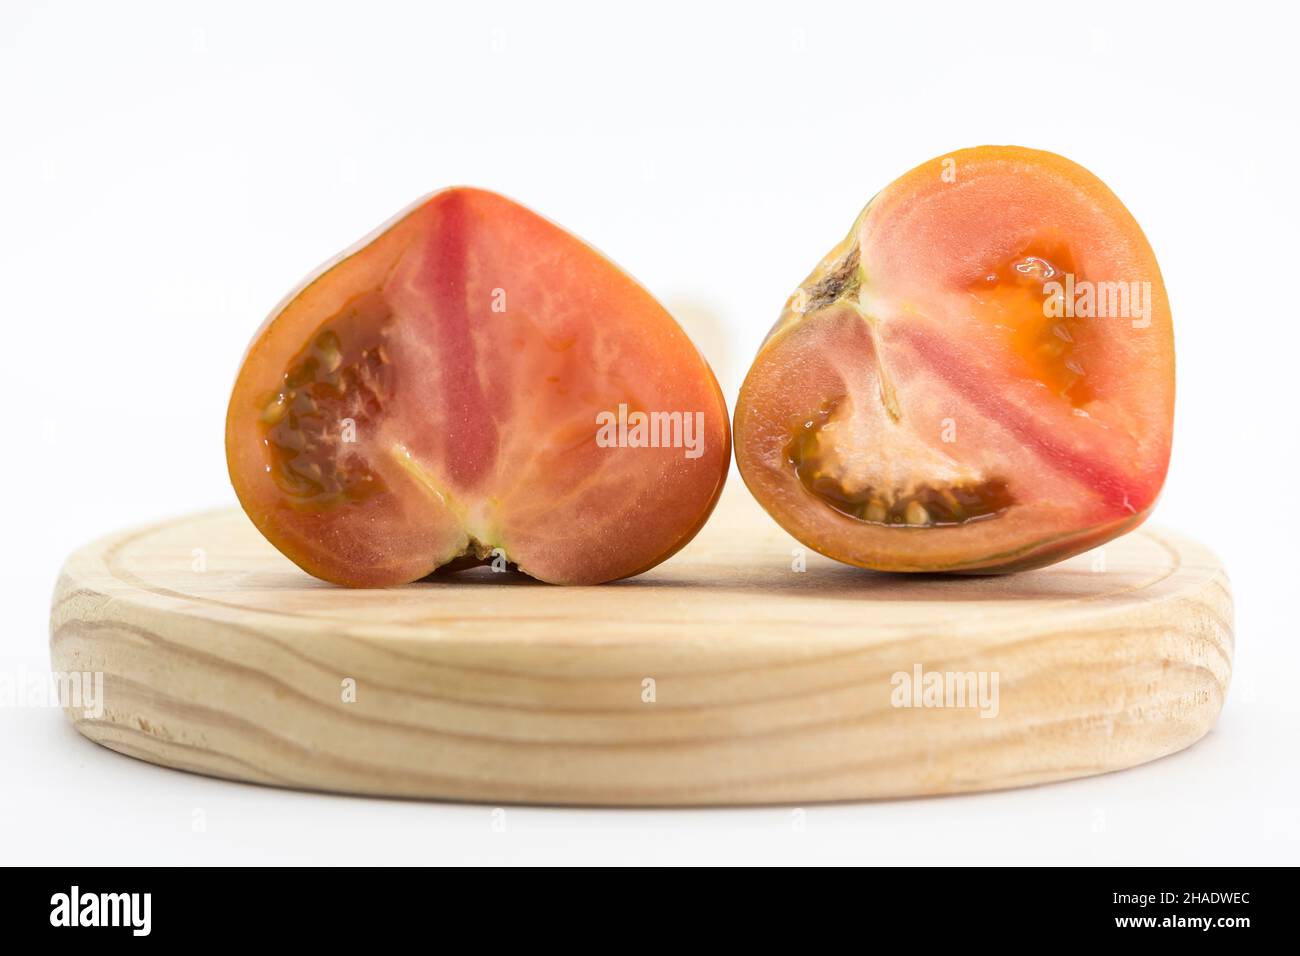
point(167, 174)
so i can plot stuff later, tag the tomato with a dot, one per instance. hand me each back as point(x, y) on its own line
point(980, 377)
point(473, 384)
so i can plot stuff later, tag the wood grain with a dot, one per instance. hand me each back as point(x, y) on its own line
point(769, 684)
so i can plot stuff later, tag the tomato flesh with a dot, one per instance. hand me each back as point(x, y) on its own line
point(941, 394)
point(434, 398)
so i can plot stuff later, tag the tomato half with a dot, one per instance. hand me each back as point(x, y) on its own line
point(474, 384)
point(980, 377)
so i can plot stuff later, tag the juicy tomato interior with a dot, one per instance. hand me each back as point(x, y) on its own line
point(1011, 298)
point(979, 378)
point(437, 397)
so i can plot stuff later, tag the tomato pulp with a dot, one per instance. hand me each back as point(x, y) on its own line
point(472, 384)
point(979, 377)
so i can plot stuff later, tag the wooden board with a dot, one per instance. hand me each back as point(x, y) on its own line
point(724, 676)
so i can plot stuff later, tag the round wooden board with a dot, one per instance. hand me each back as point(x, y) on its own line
point(724, 676)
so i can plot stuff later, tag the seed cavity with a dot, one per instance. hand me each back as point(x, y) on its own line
point(342, 375)
point(920, 505)
point(915, 513)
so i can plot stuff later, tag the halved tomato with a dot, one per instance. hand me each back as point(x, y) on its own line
point(474, 384)
point(980, 377)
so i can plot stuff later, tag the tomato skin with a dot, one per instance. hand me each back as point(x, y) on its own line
point(432, 397)
point(930, 332)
